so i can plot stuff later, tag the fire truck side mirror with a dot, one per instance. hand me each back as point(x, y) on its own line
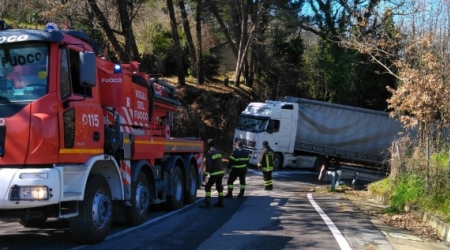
point(88, 69)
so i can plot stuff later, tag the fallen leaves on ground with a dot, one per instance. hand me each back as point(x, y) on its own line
point(403, 220)
point(409, 222)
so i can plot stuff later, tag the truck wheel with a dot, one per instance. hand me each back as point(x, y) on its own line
point(191, 192)
point(32, 222)
point(175, 201)
point(94, 219)
point(278, 162)
point(140, 201)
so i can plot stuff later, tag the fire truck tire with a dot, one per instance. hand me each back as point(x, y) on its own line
point(140, 201)
point(94, 218)
point(175, 201)
point(191, 192)
point(32, 222)
point(278, 161)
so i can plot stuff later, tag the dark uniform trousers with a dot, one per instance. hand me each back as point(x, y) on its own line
point(234, 174)
point(214, 179)
point(268, 183)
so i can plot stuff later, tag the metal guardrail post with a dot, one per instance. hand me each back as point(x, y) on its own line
point(338, 177)
point(332, 176)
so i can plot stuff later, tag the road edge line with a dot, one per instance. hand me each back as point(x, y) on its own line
point(334, 230)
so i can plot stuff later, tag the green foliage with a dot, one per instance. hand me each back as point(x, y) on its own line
point(282, 61)
point(146, 38)
point(338, 67)
point(382, 186)
point(162, 43)
point(24, 13)
point(408, 188)
point(439, 160)
point(426, 184)
point(211, 65)
point(162, 50)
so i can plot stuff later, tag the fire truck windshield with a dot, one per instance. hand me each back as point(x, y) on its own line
point(23, 71)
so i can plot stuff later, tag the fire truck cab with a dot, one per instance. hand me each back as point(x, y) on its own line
point(84, 138)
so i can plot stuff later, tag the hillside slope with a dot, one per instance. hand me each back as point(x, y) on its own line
point(210, 111)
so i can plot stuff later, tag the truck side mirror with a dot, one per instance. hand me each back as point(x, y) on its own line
point(88, 69)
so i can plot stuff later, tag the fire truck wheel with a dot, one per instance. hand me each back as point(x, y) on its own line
point(278, 162)
point(94, 218)
point(140, 201)
point(191, 190)
point(32, 222)
point(175, 201)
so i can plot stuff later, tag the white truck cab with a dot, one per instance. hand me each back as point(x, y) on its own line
point(271, 121)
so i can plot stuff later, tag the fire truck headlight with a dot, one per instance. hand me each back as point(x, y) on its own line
point(34, 176)
point(29, 193)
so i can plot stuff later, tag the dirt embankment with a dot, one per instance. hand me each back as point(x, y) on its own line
point(210, 111)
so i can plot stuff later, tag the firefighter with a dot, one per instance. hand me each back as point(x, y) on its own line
point(265, 164)
point(214, 169)
point(238, 163)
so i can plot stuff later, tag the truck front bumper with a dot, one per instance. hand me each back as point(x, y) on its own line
point(27, 188)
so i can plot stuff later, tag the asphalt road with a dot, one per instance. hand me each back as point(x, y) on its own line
point(292, 216)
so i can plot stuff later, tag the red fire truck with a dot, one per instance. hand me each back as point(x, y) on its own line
point(86, 139)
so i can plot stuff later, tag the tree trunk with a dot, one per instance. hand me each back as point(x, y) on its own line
point(131, 50)
point(224, 28)
point(189, 39)
point(244, 41)
point(236, 16)
point(176, 44)
point(198, 28)
point(103, 22)
point(243, 11)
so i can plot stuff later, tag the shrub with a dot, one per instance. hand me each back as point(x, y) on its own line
point(381, 186)
point(211, 65)
point(408, 188)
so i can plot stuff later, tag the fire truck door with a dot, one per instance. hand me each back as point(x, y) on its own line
point(81, 120)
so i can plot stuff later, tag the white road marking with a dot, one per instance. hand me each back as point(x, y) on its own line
point(334, 230)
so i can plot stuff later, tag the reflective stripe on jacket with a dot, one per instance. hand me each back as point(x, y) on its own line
point(214, 162)
point(238, 159)
point(266, 159)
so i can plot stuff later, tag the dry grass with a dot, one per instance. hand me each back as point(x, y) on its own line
point(213, 85)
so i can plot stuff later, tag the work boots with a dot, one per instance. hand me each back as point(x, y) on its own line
point(241, 193)
point(230, 193)
point(220, 203)
point(206, 202)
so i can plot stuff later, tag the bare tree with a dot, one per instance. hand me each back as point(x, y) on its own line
point(198, 19)
point(104, 24)
point(187, 31)
point(176, 44)
point(223, 26)
point(126, 16)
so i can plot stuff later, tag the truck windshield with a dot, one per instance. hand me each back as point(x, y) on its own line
point(23, 72)
point(252, 124)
